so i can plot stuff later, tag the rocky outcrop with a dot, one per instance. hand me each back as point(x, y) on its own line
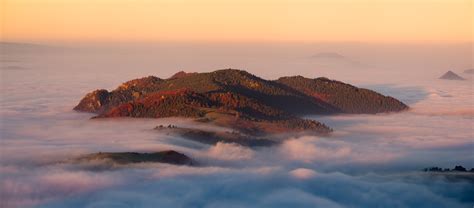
point(94, 101)
point(100, 101)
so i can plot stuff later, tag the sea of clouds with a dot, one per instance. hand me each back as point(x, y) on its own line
point(369, 160)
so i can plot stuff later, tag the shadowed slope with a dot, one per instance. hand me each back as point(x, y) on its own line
point(343, 97)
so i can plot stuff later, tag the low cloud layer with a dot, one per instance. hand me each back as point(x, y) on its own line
point(369, 160)
point(278, 188)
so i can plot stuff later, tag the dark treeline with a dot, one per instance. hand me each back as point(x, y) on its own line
point(457, 168)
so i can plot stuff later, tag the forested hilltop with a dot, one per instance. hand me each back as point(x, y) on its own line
point(238, 99)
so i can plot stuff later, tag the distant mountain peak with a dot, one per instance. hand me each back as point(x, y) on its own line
point(328, 55)
point(451, 76)
point(335, 60)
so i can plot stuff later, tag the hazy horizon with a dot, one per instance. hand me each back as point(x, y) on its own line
point(269, 60)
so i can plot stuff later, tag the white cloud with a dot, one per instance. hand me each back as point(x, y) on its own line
point(309, 149)
point(230, 151)
point(303, 173)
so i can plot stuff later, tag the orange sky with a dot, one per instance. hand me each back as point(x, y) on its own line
point(386, 21)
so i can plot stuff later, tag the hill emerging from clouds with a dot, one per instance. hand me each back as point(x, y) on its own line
point(239, 100)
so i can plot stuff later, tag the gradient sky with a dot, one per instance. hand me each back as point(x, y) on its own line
point(378, 21)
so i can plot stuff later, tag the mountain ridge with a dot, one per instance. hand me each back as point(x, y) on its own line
point(238, 99)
